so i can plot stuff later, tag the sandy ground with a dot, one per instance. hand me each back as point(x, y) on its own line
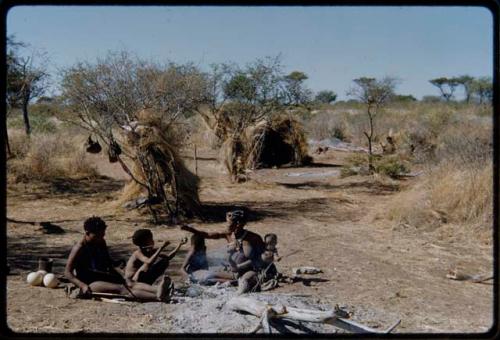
point(381, 271)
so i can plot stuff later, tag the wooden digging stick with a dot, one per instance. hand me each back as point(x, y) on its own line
point(110, 296)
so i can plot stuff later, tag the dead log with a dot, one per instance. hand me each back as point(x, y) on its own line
point(267, 312)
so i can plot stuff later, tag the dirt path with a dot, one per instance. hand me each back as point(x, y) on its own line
point(335, 224)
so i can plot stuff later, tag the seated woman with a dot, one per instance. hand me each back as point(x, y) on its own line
point(90, 268)
point(195, 266)
point(244, 247)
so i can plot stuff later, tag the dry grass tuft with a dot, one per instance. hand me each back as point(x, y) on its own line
point(448, 195)
point(19, 143)
point(465, 195)
point(44, 157)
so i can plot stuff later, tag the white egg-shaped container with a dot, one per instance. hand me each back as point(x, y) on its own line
point(42, 272)
point(34, 279)
point(50, 281)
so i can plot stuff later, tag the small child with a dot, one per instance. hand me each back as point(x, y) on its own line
point(268, 269)
point(270, 240)
point(147, 264)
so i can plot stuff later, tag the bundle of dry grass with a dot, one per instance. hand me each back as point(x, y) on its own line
point(161, 171)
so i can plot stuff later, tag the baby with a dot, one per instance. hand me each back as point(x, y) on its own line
point(270, 240)
point(270, 254)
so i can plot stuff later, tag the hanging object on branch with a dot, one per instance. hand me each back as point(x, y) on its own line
point(92, 146)
point(114, 151)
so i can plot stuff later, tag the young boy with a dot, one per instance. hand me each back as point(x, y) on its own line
point(147, 264)
point(90, 268)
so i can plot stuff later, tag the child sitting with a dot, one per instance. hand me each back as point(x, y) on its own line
point(147, 264)
point(90, 268)
point(195, 266)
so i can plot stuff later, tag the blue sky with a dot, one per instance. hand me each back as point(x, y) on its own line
point(332, 45)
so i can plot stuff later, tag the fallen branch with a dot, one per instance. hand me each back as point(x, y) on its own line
point(267, 313)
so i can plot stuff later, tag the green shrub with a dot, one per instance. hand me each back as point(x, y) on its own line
point(356, 164)
point(392, 166)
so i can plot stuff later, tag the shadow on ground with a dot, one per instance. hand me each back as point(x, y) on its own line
point(66, 187)
point(313, 207)
point(322, 165)
point(216, 212)
point(23, 253)
point(369, 187)
point(306, 281)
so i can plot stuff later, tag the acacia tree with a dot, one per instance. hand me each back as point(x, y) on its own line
point(482, 88)
point(466, 82)
point(297, 93)
point(446, 86)
point(111, 94)
point(27, 78)
point(238, 97)
point(375, 94)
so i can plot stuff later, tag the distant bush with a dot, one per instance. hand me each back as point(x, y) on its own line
point(432, 99)
point(44, 108)
point(40, 122)
point(404, 98)
point(325, 125)
point(325, 97)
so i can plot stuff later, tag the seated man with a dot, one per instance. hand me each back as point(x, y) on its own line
point(90, 268)
point(147, 264)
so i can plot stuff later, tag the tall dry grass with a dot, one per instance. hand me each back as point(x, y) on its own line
point(464, 194)
point(43, 157)
point(447, 195)
point(457, 185)
point(450, 142)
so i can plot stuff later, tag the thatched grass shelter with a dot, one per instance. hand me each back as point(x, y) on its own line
point(275, 142)
point(280, 141)
point(159, 170)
